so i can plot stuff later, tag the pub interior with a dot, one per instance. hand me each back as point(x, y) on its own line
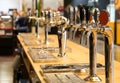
point(59, 41)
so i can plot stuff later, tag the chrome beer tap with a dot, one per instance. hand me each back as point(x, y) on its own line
point(92, 56)
point(38, 25)
point(39, 21)
point(76, 22)
point(47, 20)
point(88, 24)
point(92, 49)
point(109, 56)
point(71, 10)
point(71, 19)
point(62, 37)
point(85, 25)
point(62, 41)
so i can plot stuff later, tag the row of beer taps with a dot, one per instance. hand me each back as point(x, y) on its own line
point(93, 21)
point(49, 19)
point(88, 21)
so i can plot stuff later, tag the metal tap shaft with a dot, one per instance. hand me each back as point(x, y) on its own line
point(109, 56)
point(92, 55)
point(46, 34)
point(62, 42)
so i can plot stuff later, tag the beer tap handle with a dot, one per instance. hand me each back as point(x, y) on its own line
point(88, 14)
point(82, 13)
point(96, 13)
point(71, 14)
point(42, 13)
point(75, 14)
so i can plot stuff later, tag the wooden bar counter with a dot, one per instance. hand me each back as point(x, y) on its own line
point(77, 55)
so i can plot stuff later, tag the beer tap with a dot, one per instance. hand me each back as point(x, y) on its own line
point(109, 56)
point(92, 49)
point(71, 10)
point(38, 25)
point(85, 32)
point(37, 19)
point(48, 18)
point(71, 16)
point(62, 37)
point(76, 24)
point(101, 27)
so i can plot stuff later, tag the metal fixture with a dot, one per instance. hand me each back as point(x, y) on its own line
point(62, 37)
point(109, 56)
point(92, 48)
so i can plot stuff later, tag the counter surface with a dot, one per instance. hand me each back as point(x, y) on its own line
point(77, 55)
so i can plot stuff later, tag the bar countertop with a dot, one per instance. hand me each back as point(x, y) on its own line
point(77, 55)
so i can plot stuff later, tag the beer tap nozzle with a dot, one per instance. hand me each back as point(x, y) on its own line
point(62, 41)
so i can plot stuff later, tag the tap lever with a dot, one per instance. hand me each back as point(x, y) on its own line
point(82, 13)
point(95, 15)
point(71, 10)
point(75, 15)
point(88, 14)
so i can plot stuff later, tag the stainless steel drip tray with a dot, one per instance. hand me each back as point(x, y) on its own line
point(41, 55)
point(29, 42)
point(82, 68)
point(34, 41)
point(50, 49)
point(62, 78)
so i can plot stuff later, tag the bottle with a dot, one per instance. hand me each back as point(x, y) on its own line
point(111, 9)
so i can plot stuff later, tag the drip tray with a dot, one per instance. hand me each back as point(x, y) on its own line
point(83, 68)
point(51, 49)
point(62, 78)
point(29, 42)
point(41, 55)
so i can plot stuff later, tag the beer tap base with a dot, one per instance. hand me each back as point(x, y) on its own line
point(61, 54)
point(46, 42)
point(94, 78)
point(38, 36)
